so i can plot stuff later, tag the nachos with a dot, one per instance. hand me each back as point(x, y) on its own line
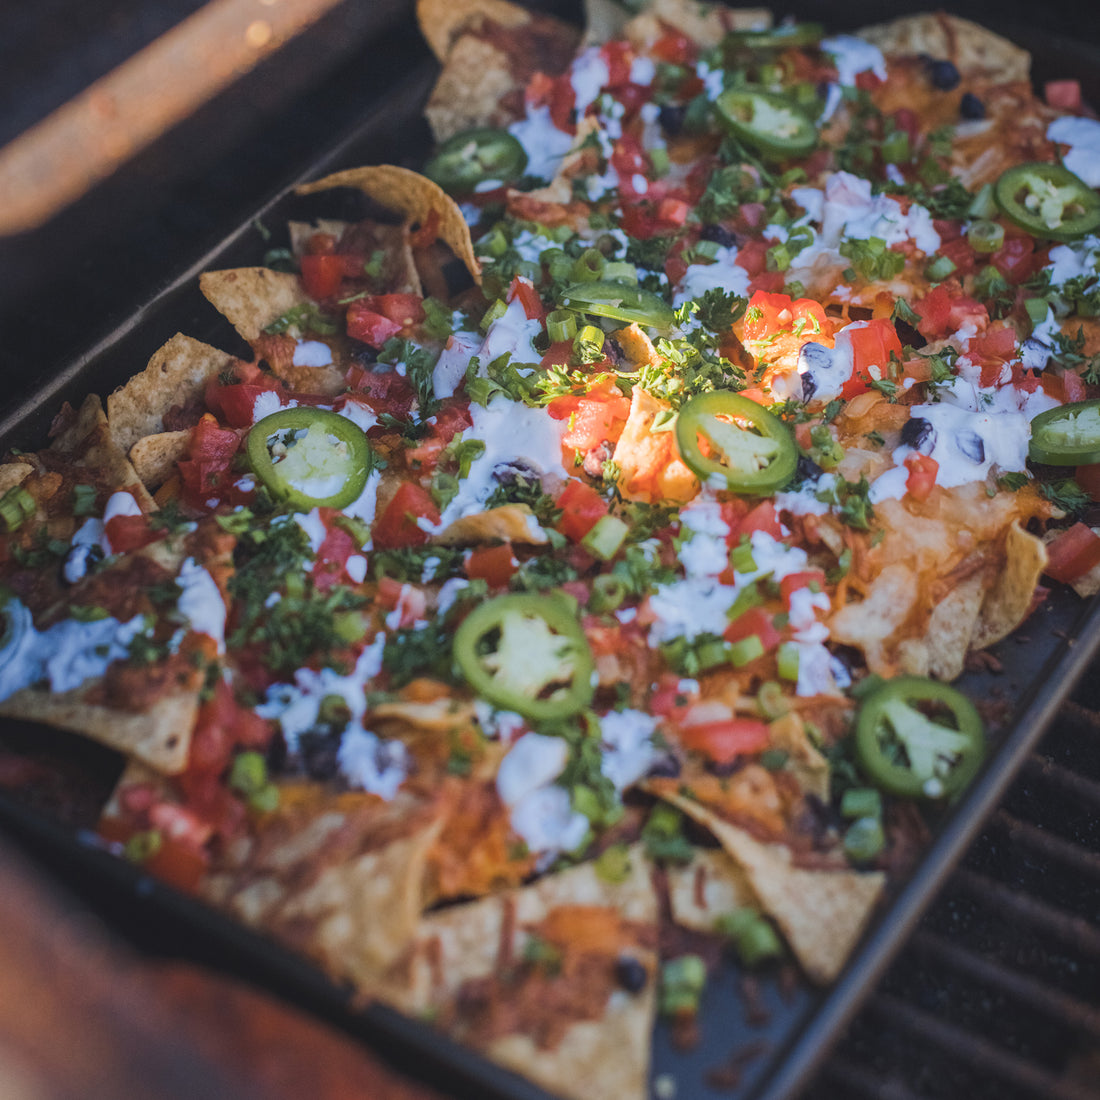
point(588, 544)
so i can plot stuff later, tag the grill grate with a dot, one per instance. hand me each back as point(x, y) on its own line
point(997, 996)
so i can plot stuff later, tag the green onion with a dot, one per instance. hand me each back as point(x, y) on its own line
point(705, 250)
point(494, 244)
point(984, 204)
point(895, 148)
point(778, 257)
point(986, 236)
point(561, 324)
point(613, 864)
point(606, 537)
point(940, 268)
point(588, 266)
point(497, 309)
point(559, 266)
point(620, 272)
point(861, 802)
point(770, 700)
point(1037, 309)
point(142, 846)
point(787, 661)
point(749, 596)
point(741, 557)
point(608, 593)
point(682, 982)
point(752, 935)
point(864, 839)
point(745, 650)
point(16, 506)
point(588, 344)
point(712, 654)
point(248, 773)
point(84, 497)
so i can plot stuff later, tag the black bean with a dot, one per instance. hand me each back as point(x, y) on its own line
point(807, 469)
point(668, 767)
point(916, 431)
point(972, 445)
point(631, 974)
point(318, 749)
point(809, 386)
point(971, 107)
point(671, 118)
point(944, 75)
point(719, 234)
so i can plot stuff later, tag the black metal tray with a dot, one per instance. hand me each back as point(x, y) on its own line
point(774, 1051)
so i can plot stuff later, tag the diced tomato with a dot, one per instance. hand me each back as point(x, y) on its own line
point(212, 450)
point(672, 211)
point(1063, 95)
point(403, 309)
point(619, 56)
point(1088, 477)
point(873, 342)
point(945, 309)
point(581, 507)
point(674, 46)
point(408, 600)
point(761, 517)
point(922, 476)
point(754, 621)
point(668, 700)
point(451, 419)
point(1073, 387)
point(991, 350)
point(369, 327)
point(528, 296)
point(492, 564)
point(399, 524)
point(724, 741)
point(329, 568)
point(769, 314)
point(1019, 258)
point(175, 863)
point(386, 391)
point(1073, 553)
point(594, 422)
point(126, 533)
point(555, 92)
point(321, 274)
point(794, 582)
point(959, 252)
point(906, 119)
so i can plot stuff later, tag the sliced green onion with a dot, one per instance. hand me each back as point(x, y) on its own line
point(588, 343)
point(559, 266)
point(745, 650)
point(1037, 309)
point(658, 157)
point(864, 839)
point(787, 661)
point(608, 593)
point(496, 310)
point(561, 324)
point(940, 268)
point(778, 257)
point(142, 846)
point(613, 864)
point(248, 773)
point(861, 802)
point(984, 204)
point(749, 596)
point(606, 536)
point(986, 236)
point(16, 506)
point(895, 148)
point(494, 244)
point(588, 266)
point(741, 557)
point(707, 250)
point(770, 700)
point(84, 497)
point(752, 935)
point(712, 653)
point(682, 982)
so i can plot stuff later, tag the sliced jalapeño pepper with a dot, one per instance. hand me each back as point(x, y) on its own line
point(782, 37)
point(309, 458)
point(1048, 200)
point(620, 302)
point(768, 122)
point(476, 156)
point(528, 654)
point(919, 738)
point(1068, 435)
point(750, 450)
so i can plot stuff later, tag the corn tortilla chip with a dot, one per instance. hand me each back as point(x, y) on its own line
point(942, 649)
point(176, 374)
point(1007, 603)
point(411, 194)
point(608, 1056)
point(250, 298)
point(704, 23)
point(441, 21)
point(510, 523)
point(13, 474)
point(821, 913)
point(154, 458)
point(704, 889)
point(976, 51)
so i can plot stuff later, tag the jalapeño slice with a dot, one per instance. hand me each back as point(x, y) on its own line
point(781, 37)
point(768, 122)
point(310, 458)
point(476, 156)
point(750, 450)
point(1048, 200)
point(1068, 435)
point(919, 738)
point(528, 654)
point(620, 302)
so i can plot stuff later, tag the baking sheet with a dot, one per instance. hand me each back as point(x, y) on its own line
point(759, 1046)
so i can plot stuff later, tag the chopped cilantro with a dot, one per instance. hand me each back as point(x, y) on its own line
point(419, 651)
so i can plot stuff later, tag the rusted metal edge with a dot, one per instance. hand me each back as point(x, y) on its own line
point(86, 139)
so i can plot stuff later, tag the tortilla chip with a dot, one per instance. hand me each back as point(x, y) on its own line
point(250, 298)
point(159, 736)
point(13, 474)
point(442, 21)
point(977, 52)
point(705, 24)
point(509, 523)
point(704, 889)
point(606, 1057)
point(154, 458)
point(942, 649)
point(472, 91)
point(808, 766)
point(1008, 602)
point(411, 194)
point(821, 913)
point(340, 880)
point(870, 624)
point(175, 375)
point(438, 716)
